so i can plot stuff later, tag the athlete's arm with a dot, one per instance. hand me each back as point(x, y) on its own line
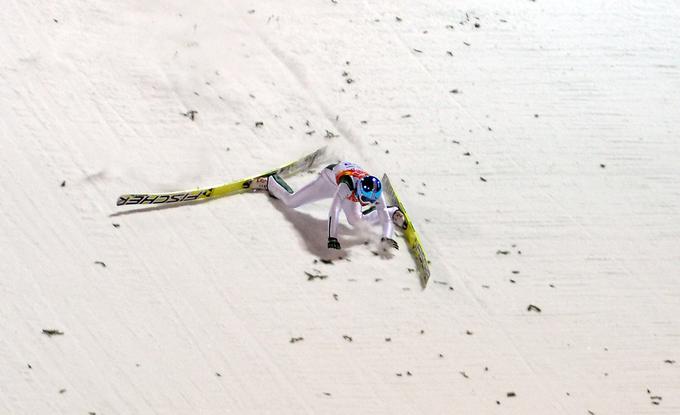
point(334, 214)
point(385, 219)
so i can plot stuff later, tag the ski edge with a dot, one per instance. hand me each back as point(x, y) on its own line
point(412, 239)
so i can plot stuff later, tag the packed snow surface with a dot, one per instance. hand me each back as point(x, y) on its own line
point(534, 143)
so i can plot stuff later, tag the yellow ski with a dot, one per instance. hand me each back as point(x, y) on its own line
point(412, 239)
point(227, 189)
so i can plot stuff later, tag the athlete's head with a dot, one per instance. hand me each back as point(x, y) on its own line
point(369, 189)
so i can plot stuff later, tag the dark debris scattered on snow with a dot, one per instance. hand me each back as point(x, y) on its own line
point(532, 307)
point(311, 276)
point(191, 114)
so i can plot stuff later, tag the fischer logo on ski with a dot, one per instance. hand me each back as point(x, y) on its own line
point(157, 199)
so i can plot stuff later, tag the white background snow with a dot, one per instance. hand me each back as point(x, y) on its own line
point(568, 111)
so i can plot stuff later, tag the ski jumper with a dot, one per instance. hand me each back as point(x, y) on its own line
point(338, 182)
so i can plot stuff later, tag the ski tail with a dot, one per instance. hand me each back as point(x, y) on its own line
point(410, 234)
point(226, 189)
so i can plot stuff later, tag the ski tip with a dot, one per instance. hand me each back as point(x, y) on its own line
point(424, 277)
point(122, 199)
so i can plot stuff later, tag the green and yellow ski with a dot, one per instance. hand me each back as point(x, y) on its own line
point(410, 234)
point(227, 189)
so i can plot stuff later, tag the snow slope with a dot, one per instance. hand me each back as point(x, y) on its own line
point(548, 177)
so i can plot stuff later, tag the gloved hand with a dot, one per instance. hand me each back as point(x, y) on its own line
point(389, 243)
point(333, 243)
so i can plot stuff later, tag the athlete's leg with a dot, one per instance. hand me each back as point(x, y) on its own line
point(321, 188)
point(352, 212)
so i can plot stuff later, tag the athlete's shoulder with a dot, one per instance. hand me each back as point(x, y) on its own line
point(348, 180)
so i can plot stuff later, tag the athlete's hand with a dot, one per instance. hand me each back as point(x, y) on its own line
point(333, 243)
point(389, 243)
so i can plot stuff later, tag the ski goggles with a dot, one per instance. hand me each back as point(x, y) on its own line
point(369, 189)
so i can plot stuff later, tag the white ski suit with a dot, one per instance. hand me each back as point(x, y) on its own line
point(338, 181)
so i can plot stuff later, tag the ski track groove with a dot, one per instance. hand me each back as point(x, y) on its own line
point(187, 248)
point(261, 353)
point(298, 74)
point(159, 293)
point(301, 79)
point(482, 309)
point(555, 204)
point(208, 272)
point(227, 301)
point(84, 215)
point(41, 295)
